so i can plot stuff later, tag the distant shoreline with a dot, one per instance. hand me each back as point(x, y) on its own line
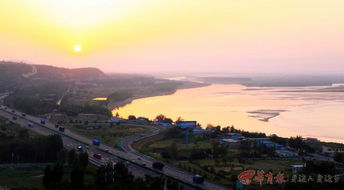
point(113, 105)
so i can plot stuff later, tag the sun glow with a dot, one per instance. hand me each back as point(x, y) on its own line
point(77, 48)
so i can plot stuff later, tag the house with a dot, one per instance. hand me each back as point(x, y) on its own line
point(260, 140)
point(274, 145)
point(332, 149)
point(236, 136)
point(230, 142)
point(142, 120)
point(186, 124)
point(165, 124)
point(297, 168)
point(309, 139)
point(286, 153)
point(199, 131)
point(268, 143)
point(115, 120)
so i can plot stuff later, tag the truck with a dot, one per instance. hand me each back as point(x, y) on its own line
point(158, 165)
point(97, 156)
point(42, 122)
point(61, 129)
point(96, 142)
point(198, 179)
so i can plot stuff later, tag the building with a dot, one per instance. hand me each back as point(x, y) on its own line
point(286, 153)
point(297, 168)
point(236, 136)
point(186, 124)
point(115, 120)
point(165, 124)
point(199, 131)
point(332, 149)
point(268, 143)
point(310, 139)
point(230, 142)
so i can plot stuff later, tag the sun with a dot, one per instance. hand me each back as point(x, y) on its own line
point(77, 48)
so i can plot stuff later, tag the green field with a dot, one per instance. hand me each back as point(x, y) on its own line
point(31, 177)
point(220, 170)
point(22, 177)
point(109, 134)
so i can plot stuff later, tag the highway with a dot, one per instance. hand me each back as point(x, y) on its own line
point(137, 163)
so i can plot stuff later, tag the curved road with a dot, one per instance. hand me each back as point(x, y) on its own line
point(138, 163)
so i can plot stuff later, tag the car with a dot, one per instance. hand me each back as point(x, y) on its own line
point(80, 148)
point(30, 124)
point(13, 111)
point(97, 156)
point(61, 129)
point(14, 118)
point(198, 179)
point(56, 126)
point(23, 114)
point(107, 150)
point(87, 147)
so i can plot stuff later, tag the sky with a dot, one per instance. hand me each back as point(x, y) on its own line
point(176, 35)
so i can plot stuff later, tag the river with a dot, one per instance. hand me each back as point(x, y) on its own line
point(272, 110)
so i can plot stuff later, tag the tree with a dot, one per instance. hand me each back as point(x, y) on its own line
point(122, 177)
point(83, 160)
point(179, 119)
point(173, 150)
point(296, 142)
point(131, 117)
point(154, 183)
point(219, 150)
point(77, 178)
point(339, 157)
point(47, 178)
point(53, 176)
point(61, 156)
point(72, 158)
point(173, 185)
point(160, 118)
point(279, 140)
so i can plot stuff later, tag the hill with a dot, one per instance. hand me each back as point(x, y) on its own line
point(15, 75)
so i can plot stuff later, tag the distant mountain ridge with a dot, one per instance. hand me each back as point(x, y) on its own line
point(47, 71)
point(15, 74)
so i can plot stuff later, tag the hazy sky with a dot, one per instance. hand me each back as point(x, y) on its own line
point(176, 35)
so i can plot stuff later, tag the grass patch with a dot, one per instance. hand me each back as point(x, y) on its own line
point(108, 134)
point(22, 177)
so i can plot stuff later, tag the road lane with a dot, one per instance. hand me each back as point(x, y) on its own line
point(135, 159)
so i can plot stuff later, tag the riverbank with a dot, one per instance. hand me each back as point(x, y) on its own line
point(186, 85)
point(307, 114)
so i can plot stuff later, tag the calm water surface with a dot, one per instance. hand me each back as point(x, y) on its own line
point(310, 114)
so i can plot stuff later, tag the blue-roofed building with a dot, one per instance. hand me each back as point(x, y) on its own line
point(236, 136)
point(186, 124)
point(165, 124)
point(199, 131)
